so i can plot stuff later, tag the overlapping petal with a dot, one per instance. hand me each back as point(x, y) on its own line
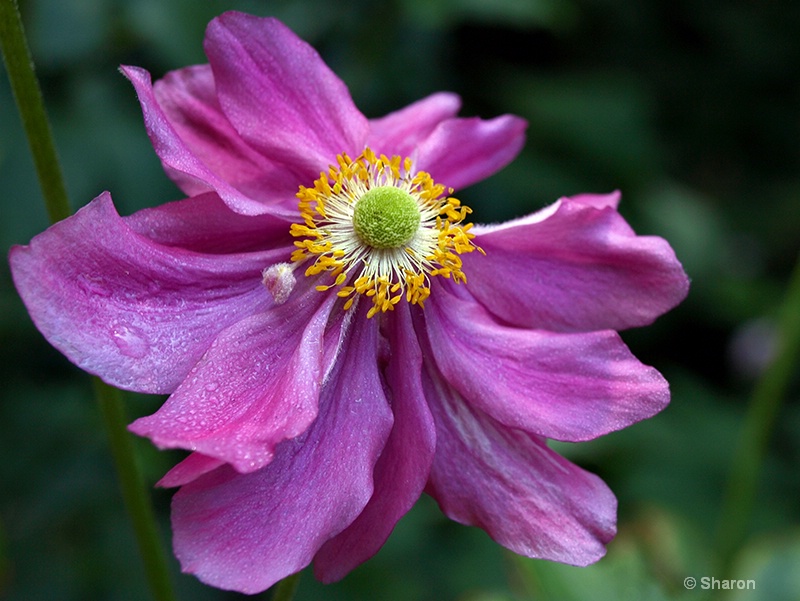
point(400, 132)
point(191, 468)
point(196, 168)
point(574, 267)
point(566, 386)
point(280, 96)
point(460, 152)
point(188, 98)
point(525, 496)
point(267, 113)
point(137, 313)
point(197, 464)
point(401, 471)
point(245, 532)
point(256, 386)
point(205, 224)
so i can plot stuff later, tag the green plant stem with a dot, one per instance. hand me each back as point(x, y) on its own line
point(28, 96)
point(765, 404)
point(136, 499)
point(286, 588)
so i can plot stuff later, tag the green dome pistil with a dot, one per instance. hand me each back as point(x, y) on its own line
point(386, 217)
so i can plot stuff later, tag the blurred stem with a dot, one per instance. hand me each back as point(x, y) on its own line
point(765, 403)
point(136, 499)
point(286, 588)
point(28, 96)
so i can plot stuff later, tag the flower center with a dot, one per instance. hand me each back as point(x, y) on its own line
point(386, 217)
point(380, 230)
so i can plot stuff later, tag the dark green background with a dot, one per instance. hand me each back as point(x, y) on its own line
point(691, 108)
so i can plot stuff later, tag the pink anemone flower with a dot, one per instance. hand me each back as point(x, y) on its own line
point(328, 364)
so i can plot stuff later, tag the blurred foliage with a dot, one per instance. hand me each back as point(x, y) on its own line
point(692, 109)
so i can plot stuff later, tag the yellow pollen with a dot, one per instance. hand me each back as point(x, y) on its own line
point(407, 230)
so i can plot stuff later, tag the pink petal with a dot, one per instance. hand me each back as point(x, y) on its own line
point(280, 96)
point(598, 201)
point(188, 98)
point(205, 224)
point(132, 311)
point(400, 132)
point(183, 160)
point(401, 471)
point(574, 266)
point(246, 532)
point(526, 497)
point(196, 464)
point(256, 386)
point(567, 386)
point(191, 468)
point(461, 152)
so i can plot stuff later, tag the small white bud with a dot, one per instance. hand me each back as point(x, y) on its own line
point(279, 280)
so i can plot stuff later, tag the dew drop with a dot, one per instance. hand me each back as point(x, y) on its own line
point(130, 341)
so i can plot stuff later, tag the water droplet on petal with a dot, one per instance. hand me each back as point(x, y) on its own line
point(130, 341)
